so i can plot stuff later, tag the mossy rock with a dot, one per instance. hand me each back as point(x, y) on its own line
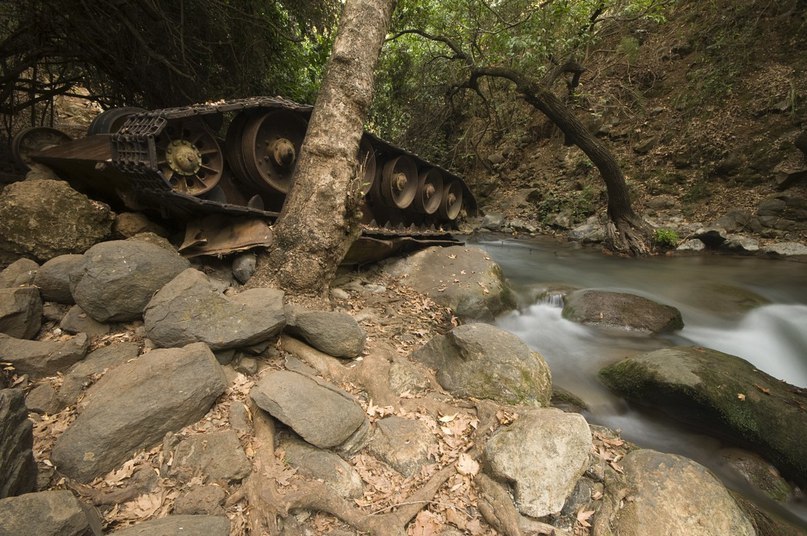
point(621, 310)
point(723, 393)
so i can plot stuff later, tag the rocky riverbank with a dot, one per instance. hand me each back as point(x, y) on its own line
point(143, 393)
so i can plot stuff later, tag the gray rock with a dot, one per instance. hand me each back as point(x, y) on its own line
point(43, 399)
point(722, 299)
point(43, 358)
point(334, 333)
point(44, 218)
point(214, 455)
point(482, 361)
point(786, 249)
point(20, 312)
point(784, 211)
point(135, 404)
point(739, 220)
point(53, 277)
point(588, 233)
point(339, 295)
point(119, 278)
point(201, 500)
point(47, 513)
point(239, 418)
point(19, 273)
point(741, 244)
point(673, 495)
point(323, 465)
point(713, 237)
point(80, 375)
point(723, 393)
point(493, 222)
point(244, 266)
point(542, 454)
point(190, 308)
point(661, 202)
point(404, 444)
point(54, 312)
point(757, 473)
point(801, 142)
point(176, 525)
point(693, 244)
point(17, 465)
point(77, 321)
point(621, 310)
point(464, 279)
point(322, 414)
point(404, 376)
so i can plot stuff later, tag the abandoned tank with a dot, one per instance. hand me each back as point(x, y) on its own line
point(230, 164)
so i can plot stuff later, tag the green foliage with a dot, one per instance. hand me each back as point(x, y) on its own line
point(629, 47)
point(419, 99)
point(665, 238)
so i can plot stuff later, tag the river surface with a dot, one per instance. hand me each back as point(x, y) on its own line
point(771, 335)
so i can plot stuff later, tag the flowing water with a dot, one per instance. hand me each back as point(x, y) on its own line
point(749, 307)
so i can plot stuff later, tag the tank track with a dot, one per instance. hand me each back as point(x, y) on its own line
point(395, 202)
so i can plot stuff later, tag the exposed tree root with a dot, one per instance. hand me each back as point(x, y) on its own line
point(628, 237)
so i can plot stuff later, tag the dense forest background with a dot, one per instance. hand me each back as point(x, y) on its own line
point(699, 101)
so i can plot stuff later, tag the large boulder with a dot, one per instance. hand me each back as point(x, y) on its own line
point(464, 279)
point(482, 361)
point(670, 494)
point(335, 333)
point(320, 413)
point(215, 456)
point(542, 455)
point(134, 405)
point(17, 465)
point(46, 218)
point(190, 308)
point(119, 278)
point(323, 465)
point(621, 310)
point(53, 277)
point(48, 513)
point(20, 312)
point(80, 375)
point(724, 393)
point(43, 358)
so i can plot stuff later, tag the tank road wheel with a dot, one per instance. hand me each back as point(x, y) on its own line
point(367, 165)
point(189, 157)
point(35, 139)
point(399, 182)
point(451, 204)
point(232, 147)
point(270, 147)
point(109, 121)
point(430, 191)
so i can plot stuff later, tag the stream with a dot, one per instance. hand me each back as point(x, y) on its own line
point(712, 292)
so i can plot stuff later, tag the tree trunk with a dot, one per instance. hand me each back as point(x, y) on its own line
point(627, 233)
point(319, 219)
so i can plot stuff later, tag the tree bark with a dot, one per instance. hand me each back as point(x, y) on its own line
point(319, 220)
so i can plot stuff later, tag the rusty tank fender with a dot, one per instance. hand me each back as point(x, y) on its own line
point(224, 168)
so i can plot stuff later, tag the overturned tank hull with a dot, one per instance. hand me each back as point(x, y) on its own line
point(237, 158)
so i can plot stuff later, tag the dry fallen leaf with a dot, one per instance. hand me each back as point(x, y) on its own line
point(467, 465)
point(584, 516)
point(740, 396)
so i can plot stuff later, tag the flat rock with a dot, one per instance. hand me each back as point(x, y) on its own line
point(21, 272)
point(17, 465)
point(337, 334)
point(723, 393)
point(119, 278)
point(47, 513)
point(723, 299)
point(134, 405)
point(129, 224)
point(320, 413)
point(323, 465)
point(482, 361)
point(404, 444)
point(191, 308)
point(53, 277)
point(674, 495)
point(201, 500)
point(77, 321)
point(20, 312)
point(43, 219)
point(542, 454)
point(621, 310)
point(43, 358)
point(176, 525)
point(786, 249)
point(214, 455)
point(464, 279)
point(43, 399)
point(80, 375)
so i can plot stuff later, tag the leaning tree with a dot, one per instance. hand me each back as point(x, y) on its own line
point(530, 45)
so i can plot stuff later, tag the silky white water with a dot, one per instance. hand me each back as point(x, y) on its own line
point(771, 334)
